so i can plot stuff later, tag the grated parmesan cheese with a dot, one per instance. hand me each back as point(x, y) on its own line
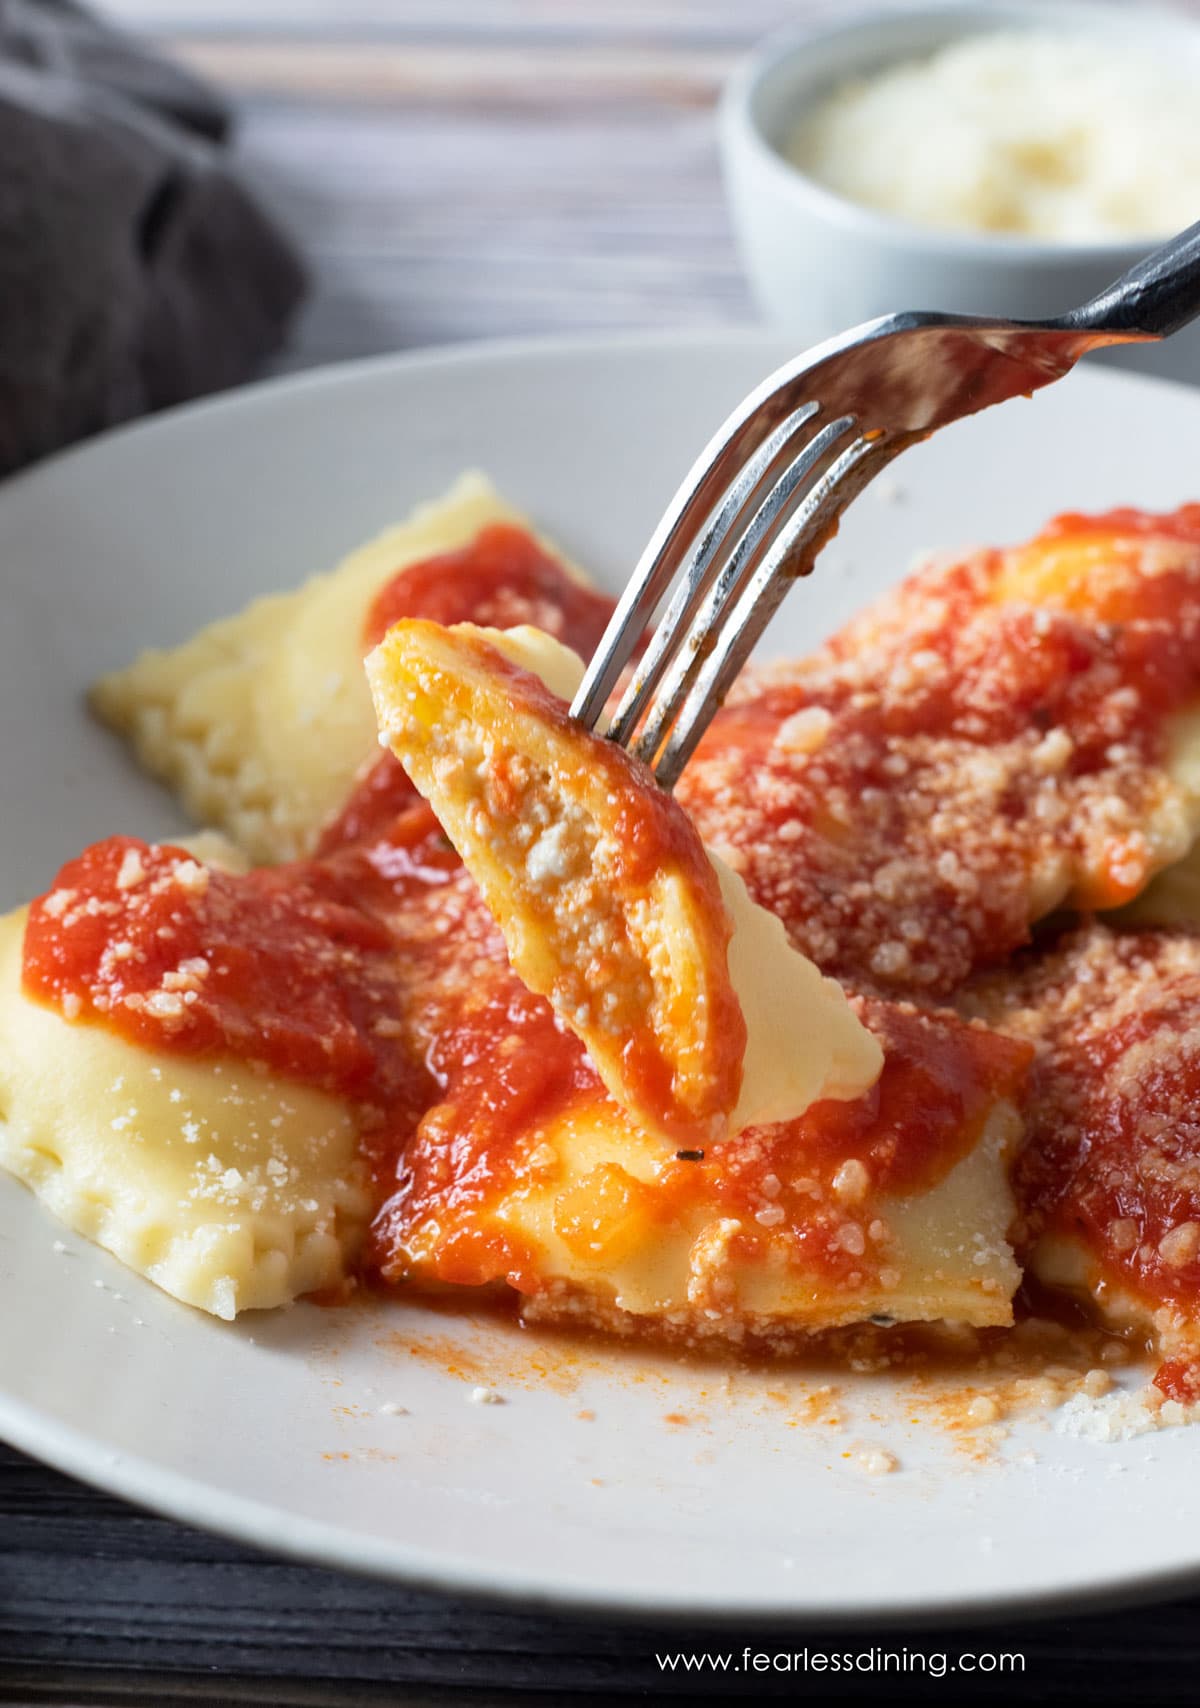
point(1121, 1415)
point(485, 1397)
point(1022, 132)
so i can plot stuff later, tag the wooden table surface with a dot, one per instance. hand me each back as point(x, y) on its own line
point(454, 169)
point(460, 169)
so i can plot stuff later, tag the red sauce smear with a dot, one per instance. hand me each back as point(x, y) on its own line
point(1179, 1379)
point(283, 965)
point(1181, 524)
point(501, 579)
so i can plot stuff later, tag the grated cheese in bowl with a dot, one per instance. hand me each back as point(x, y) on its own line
point(1024, 133)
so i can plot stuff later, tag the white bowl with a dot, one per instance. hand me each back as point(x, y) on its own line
point(818, 263)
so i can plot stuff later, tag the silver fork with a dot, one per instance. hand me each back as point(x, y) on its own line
point(770, 488)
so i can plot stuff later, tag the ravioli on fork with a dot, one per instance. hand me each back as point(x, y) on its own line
point(608, 902)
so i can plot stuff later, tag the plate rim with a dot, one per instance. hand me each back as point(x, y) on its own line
point(446, 354)
point(270, 1529)
point(459, 352)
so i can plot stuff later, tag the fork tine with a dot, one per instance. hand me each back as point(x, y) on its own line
point(715, 470)
point(790, 557)
point(713, 540)
point(687, 645)
point(902, 377)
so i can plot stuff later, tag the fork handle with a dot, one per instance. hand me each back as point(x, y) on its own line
point(1155, 298)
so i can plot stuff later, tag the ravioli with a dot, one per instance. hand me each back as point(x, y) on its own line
point(1001, 736)
point(229, 1188)
point(262, 721)
point(1108, 1182)
point(607, 900)
point(364, 1085)
point(894, 1206)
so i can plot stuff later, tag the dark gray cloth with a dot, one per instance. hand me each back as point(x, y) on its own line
point(135, 271)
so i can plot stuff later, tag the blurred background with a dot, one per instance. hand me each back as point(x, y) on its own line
point(473, 168)
point(227, 184)
point(477, 168)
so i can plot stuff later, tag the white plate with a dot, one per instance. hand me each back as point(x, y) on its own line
point(271, 1429)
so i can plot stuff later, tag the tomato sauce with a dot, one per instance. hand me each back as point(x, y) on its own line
point(1111, 1163)
point(939, 1083)
point(1114, 1161)
point(378, 974)
point(987, 723)
point(285, 965)
point(501, 579)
